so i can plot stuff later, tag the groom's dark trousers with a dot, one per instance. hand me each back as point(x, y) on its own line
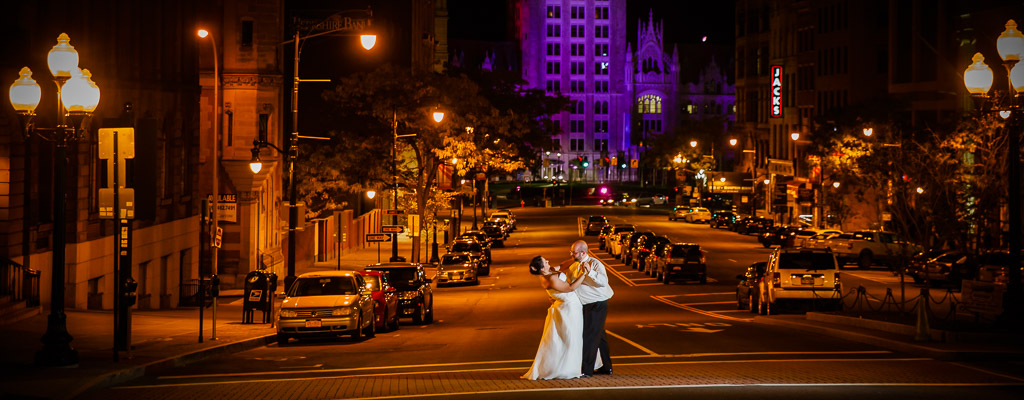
point(594, 315)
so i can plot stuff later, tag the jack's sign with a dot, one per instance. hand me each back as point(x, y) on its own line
point(776, 71)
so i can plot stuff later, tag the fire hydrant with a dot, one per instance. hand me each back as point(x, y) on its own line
point(522, 203)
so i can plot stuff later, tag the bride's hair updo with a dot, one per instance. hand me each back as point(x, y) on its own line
point(536, 265)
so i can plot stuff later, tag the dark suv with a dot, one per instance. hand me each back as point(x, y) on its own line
point(415, 297)
point(594, 225)
point(681, 260)
point(754, 225)
point(720, 219)
point(644, 248)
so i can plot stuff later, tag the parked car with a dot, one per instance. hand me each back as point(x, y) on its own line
point(941, 266)
point(754, 225)
point(458, 268)
point(618, 243)
point(415, 296)
point(605, 231)
point(870, 247)
point(474, 249)
point(477, 235)
point(779, 236)
point(809, 276)
point(681, 260)
point(629, 250)
point(385, 299)
point(721, 219)
point(496, 234)
point(994, 266)
point(747, 291)
point(698, 214)
point(615, 231)
point(507, 215)
point(678, 212)
point(651, 259)
point(594, 224)
point(499, 223)
point(643, 249)
point(820, 240)
point(326, 303)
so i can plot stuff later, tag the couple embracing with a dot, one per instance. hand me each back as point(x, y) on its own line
point(573, 343)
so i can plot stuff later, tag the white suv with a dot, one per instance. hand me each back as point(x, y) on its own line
point(794, 275)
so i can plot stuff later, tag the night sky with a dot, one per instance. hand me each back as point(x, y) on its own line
point(686, 21)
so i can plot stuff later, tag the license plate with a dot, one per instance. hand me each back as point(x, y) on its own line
point(806, 280)
point(313, 323)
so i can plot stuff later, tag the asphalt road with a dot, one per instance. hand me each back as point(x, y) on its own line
point(669, 341)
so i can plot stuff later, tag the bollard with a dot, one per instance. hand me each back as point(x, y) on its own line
point(922, 318)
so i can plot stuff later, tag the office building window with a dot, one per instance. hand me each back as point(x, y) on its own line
point(554, 30)
point(554, 12)
point(601, 68)
point(601, 31)
point(554, 86)
point(554, 68)
point(600, 144)
point(577, 13)
point(578, 31)
point(600, 12)
point(554, 49)
point(577, 49)
point(577, 68)
point(601, 49)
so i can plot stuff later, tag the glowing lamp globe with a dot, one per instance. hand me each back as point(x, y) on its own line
point(1010, 43)
point(368, 41)
point(203, 33)
point(978, 76)
point(63, 58)
point(438, 116)
point(80, 93)
point(25, 92)
point(371, 194)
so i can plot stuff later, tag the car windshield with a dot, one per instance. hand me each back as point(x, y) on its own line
point(323, 286)
point(597, 218)
point(806, 261)
point(401, 278)
point(619, 229)
point(458, 247)
point(455, 259)
point(372, 282)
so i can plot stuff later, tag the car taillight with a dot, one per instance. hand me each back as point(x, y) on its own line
point(776, 280)
point(837, 281)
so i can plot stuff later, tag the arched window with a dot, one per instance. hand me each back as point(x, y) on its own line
point(649, 104)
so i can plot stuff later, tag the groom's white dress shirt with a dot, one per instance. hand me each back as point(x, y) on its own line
point(595, 286)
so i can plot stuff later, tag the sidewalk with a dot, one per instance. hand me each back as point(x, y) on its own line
point(165, 338)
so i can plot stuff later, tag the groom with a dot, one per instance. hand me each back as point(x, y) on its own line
point(594, 294)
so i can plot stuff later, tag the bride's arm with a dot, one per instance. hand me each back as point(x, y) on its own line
point(553, 282)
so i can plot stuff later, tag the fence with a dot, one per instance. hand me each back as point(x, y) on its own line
point(19, 283)
point(950, 310)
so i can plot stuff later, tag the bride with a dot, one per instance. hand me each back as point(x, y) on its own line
point(561, 345)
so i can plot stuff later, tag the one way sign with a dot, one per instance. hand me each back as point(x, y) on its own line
point(378, 237)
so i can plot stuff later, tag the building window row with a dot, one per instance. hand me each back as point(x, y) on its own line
point(649, 104)
point(576, 126)
point(554, 49)
point(577, 49)
point(601, 126)
point(576, 144)
point(600, 107)
point(601, 68)
point(578, 31)
point(833, 61)
point(554, 86)
point(577, 12)
point(601, 86)
point(554, 30)
point(832, 18)
point(601, 144)
point(554, 12)
point(554, 68)
point(576, 107)
point(600, 12)
point(577, 68)
point(830, 99)
point(601, 31)
point(577, 86)
point(652, 125)
point(601, 49)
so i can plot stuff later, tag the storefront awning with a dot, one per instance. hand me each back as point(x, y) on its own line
point(734, 182)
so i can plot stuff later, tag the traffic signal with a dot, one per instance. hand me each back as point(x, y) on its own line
point(586, 163)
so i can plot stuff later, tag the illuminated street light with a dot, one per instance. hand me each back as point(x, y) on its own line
point(732, 142)
point(868, 131)
point(693, 143)
point(835, 185)
point(795, 135)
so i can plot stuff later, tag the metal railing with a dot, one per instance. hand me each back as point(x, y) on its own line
point(948, 309)
point(19, 283)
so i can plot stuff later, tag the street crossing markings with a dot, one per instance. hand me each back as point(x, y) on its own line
point(699, 311)
point(631, 343)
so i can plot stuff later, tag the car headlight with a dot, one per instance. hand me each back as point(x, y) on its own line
point(343, 311)
point(288, 314)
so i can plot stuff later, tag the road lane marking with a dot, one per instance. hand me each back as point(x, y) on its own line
point(698, 294)
point(699, 311)
point(392, 374)
point(632, 343)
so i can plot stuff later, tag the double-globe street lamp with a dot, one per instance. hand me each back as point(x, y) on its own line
point(367, 41)
point(77, 97)
point(978, 80)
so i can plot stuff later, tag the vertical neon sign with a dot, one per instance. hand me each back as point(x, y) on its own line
point(776, 71)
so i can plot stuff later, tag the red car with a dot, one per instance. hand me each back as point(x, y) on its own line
point(385, 308)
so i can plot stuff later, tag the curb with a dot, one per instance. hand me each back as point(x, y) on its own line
point(896, 345)
point(127, 374)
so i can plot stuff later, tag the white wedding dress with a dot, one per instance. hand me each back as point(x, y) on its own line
point(561, 345)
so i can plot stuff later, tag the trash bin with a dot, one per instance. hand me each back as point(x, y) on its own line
point(257, 296)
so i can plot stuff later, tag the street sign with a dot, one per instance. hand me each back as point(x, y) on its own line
point(392, 228)
point(394, 212)
point(378, 237)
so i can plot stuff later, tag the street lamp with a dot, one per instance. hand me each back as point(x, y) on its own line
point(438, 117)
point(367, 41)
point(77, 97)
point(214, 161)
point(978, 79)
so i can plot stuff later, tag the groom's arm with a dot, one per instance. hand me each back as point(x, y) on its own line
point(597, 276)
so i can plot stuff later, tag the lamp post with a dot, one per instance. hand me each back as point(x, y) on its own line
point(77, 97)
point(978, 80)
point(367, 41)
point(214, 161)
point(438, 117)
